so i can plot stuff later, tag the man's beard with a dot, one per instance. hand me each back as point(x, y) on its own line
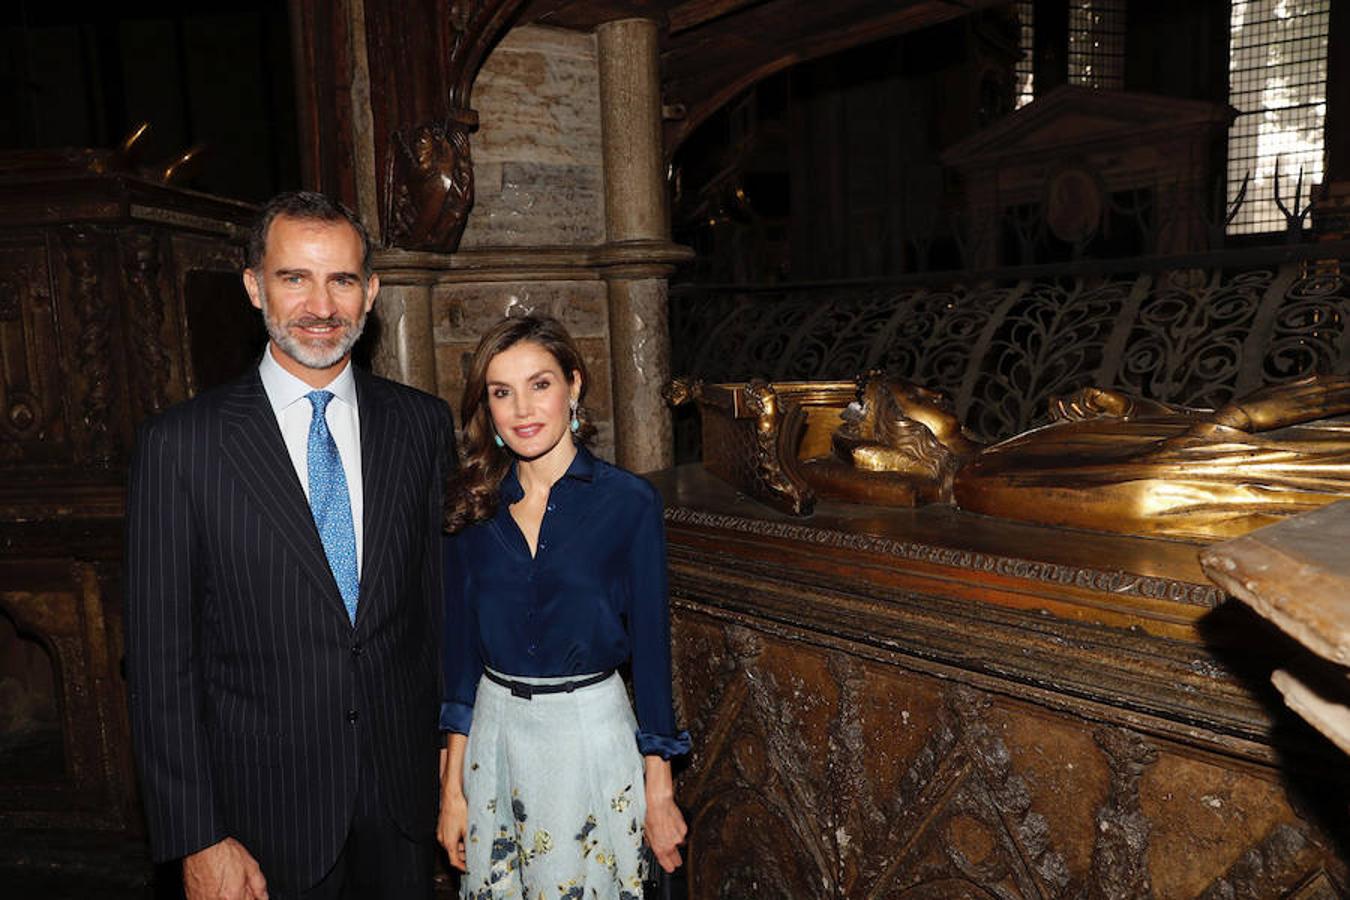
point(313, 355)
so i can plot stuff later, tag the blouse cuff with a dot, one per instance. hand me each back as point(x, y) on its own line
point(664, 746)
point(456, 717)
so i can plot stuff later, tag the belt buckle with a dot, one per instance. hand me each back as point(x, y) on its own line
point(522, 690)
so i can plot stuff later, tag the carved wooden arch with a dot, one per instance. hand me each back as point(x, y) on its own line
point(421, 57)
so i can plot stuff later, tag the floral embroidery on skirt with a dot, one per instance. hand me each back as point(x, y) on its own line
point(556, 782)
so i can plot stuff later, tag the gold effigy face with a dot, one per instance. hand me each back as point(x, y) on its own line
point(1110, 462)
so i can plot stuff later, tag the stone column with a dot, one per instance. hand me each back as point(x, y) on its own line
point(403, 348)
point(637, 231)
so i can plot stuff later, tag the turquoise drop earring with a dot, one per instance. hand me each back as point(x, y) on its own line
point(497, 439)
point(575, 423)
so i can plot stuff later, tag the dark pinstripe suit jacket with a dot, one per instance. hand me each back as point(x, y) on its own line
point(253, 699)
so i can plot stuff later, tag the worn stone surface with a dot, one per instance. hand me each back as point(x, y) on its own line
point(538, 99)
point(452, 362)
point(403, 313)
point(595, 352)
point(640, 341)
point(538, 204)
point(462, 312)
point(630, 91)
point(537, 152)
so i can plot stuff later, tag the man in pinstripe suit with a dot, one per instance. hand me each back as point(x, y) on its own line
point(284, 593)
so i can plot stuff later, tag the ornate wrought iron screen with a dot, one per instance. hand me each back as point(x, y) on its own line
point(1196, 330)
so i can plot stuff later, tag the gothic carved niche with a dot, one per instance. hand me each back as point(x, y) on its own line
point(30, 722)
point(26, 332)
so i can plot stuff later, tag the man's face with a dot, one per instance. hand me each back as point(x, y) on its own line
point(312, 295)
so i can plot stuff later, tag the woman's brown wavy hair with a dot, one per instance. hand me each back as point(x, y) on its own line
point(473, 489)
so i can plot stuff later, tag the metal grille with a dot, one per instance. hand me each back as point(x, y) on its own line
point(1196, 331)
point(1025, 70)
point(1097, 43)
point(1277, 75)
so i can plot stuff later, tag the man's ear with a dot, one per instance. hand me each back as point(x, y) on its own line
point(372, 288)
point(254, 289)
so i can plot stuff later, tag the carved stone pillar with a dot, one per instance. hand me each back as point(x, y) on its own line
point(404, 349)
point(637, 229)
point(639, 340)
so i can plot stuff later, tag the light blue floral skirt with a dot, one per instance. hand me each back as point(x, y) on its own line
point(555, 792)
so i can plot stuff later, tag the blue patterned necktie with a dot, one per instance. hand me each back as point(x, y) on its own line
point(331, 504)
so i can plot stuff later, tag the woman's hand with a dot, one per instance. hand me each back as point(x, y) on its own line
point(664, 826)
point(453, 824)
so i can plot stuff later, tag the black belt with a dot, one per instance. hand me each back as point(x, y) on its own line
point(525, 690)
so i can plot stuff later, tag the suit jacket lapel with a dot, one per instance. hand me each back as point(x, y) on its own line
point(253, 447)
point(382, 447)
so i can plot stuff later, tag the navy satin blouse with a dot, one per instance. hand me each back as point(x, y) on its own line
point(592, 598)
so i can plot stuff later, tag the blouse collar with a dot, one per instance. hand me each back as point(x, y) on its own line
point(582, 468)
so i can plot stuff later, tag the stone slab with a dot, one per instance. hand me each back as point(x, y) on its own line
point(538, 99)
point(536, 204)
point(462, 312)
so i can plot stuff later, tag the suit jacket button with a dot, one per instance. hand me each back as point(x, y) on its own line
point(357, 649)
point(352, 715)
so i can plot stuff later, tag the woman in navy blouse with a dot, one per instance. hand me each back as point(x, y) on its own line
point(556, 577)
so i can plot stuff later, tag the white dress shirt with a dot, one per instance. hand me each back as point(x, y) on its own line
point(288, 396)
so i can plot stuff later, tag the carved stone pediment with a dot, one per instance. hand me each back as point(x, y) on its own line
point(1069, 158)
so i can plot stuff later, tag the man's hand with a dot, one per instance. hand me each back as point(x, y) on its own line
point(223, 871)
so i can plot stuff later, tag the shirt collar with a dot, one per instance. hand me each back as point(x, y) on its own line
point(284, 389)
point(582, 468)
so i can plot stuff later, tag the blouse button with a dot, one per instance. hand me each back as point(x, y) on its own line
point(543, 544)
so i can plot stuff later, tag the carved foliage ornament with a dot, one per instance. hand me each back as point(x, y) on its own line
point(141, 272)
point(93, 346)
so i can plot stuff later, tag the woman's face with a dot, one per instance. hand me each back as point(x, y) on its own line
point(528, 399)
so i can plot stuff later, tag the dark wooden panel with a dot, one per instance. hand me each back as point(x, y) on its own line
point(96, 276)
